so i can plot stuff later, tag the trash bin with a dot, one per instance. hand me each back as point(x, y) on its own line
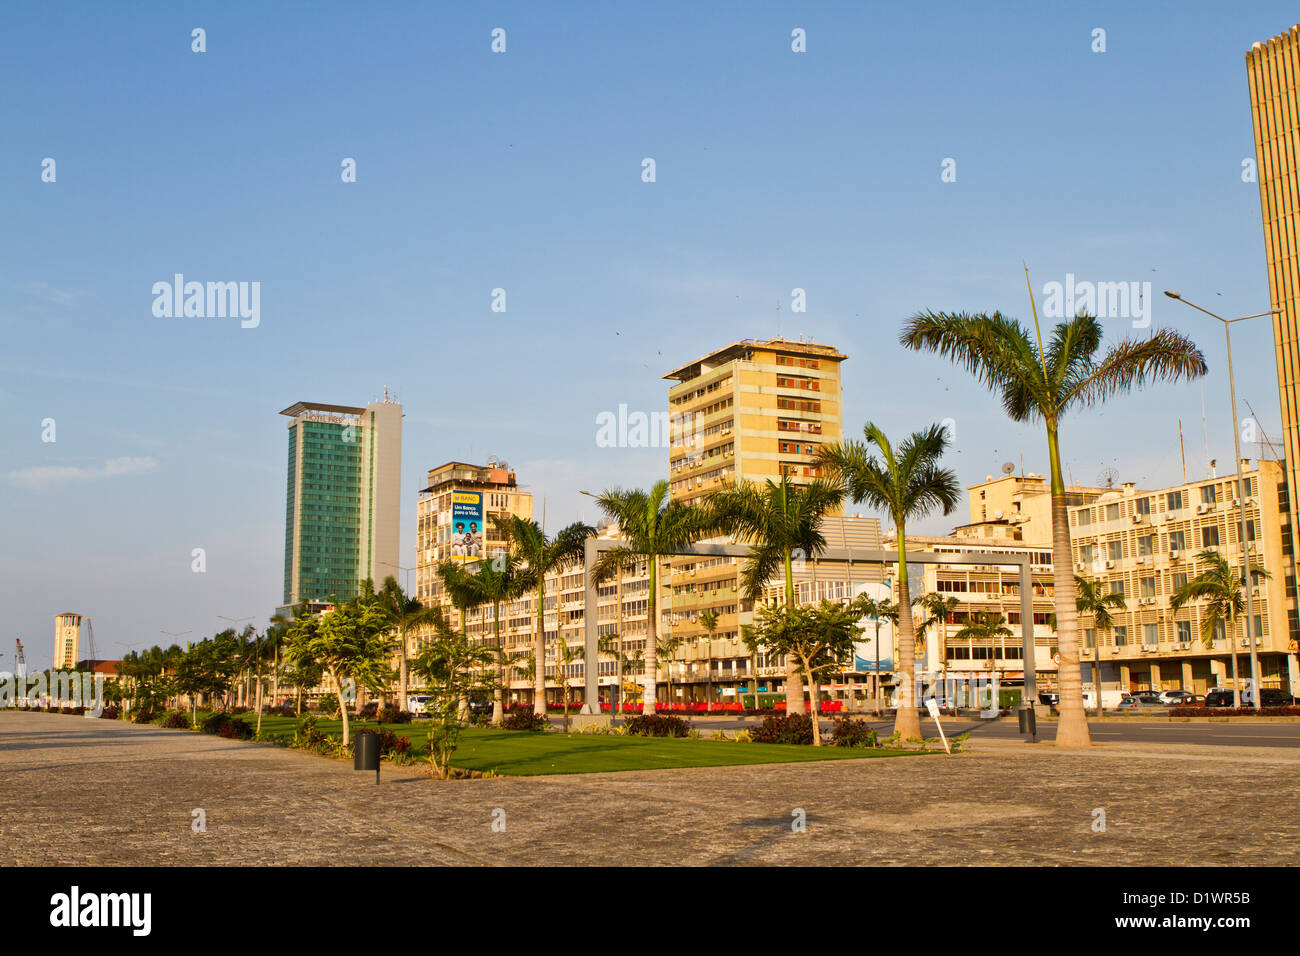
point(1028, 722)
point(365, 753)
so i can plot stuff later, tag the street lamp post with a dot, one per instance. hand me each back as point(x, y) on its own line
point(1241, 494)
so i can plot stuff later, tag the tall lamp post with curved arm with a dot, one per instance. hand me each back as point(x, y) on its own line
point(1241, 492)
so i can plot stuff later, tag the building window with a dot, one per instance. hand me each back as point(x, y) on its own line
point(1112, 512)
point(1148, 587)
point(1115, 549)
point(1210, 536)
point(1184, 631)
point(1209, 494)
point(1142, 506)
point(1146, 545)
point(1151, 634)
point(1174, 501)
point(1177, 541)
point(1121, 636)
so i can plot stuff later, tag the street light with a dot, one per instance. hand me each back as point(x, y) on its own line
point(389, 564)
point(1241, 492)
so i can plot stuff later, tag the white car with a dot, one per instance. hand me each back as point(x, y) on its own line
point(418, 704)
point(1175, 697)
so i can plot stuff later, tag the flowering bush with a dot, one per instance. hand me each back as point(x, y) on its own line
point(224, 725)
point(177, 720)
point(1233, 712)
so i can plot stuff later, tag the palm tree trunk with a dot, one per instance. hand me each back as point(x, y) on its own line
point(652, 641)
point(402, 679)
point(498, 702)
point(1236, 682)
point(907, 723)
point(539, 648)
point(1072, 727)
point(793, 684)
point(343, 707)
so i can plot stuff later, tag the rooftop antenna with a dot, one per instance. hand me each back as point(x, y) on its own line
point(1183, 449)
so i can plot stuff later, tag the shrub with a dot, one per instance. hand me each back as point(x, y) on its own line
point(785, 729)
point(393, 715)
point(308, 736)
point(657, 725)
point(849, 732)
point(177, 720)
point(111, 712)
point(524, 720)
point(389, 743)
point(328, 704)
point(227, 726)
point(143, 717)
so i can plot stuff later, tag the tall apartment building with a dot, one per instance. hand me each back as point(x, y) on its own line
point(343, 499)
point(67, 639)
point(750, 411)
point(1143, 544)
point(1273, 70)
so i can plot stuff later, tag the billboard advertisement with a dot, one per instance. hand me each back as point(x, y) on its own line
point(865, 649)
point(466, 525)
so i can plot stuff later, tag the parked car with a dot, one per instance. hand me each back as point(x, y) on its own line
point(1129, 702)
point(418, 704)
point(1219, 698)
point(1272, 697)
point(1050, 698)
point(1175, 698)
point(480, 705)
point(1148, 697)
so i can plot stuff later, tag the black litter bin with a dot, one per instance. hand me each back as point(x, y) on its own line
point(1029, 722)
point(365, 753)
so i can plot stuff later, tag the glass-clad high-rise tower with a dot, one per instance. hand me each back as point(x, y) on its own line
point(343, 499)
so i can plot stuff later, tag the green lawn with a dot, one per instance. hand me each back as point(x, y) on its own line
point(523, 754)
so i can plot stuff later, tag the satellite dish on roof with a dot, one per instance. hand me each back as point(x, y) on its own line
point(1008, 467)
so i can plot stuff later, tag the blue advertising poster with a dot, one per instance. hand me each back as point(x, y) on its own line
point(874, 633)
point(466, 525)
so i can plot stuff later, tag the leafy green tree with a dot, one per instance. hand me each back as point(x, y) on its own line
point(1220, 587)
point(352, 642)
point(453, 670)
point(819, 637)
point(781, 522)
point(1037, 382)
point(905, 482)
point(655, 528)
point(543, 555)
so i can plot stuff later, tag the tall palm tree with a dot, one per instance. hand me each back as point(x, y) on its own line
point(941, 608)
point(1221, 588)
point(1037, 382)
point(543, 555)
point(462, 587)
point(654, 527)
point(406, 613)
point(1089, 599)
point(985, 627)
point(498, 581)
point(877, 610)
point(906, 482)
point(781, 522)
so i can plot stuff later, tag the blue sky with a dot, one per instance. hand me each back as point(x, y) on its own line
point(522, 171)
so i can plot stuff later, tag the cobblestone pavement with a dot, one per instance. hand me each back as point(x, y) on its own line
point(77, 791)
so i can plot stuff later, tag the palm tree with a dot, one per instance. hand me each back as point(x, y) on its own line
point(940, 609)
point(498, 581)
point(1220, 587)
point(906, 482)
point(666, 649)
point(406, 613)
point(781, 523)
point(708, 619)
point(985, 627)
point(1037, 382)
point(654, 527)
point(543, 555)
point(463, 589)
point(1089, 600)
